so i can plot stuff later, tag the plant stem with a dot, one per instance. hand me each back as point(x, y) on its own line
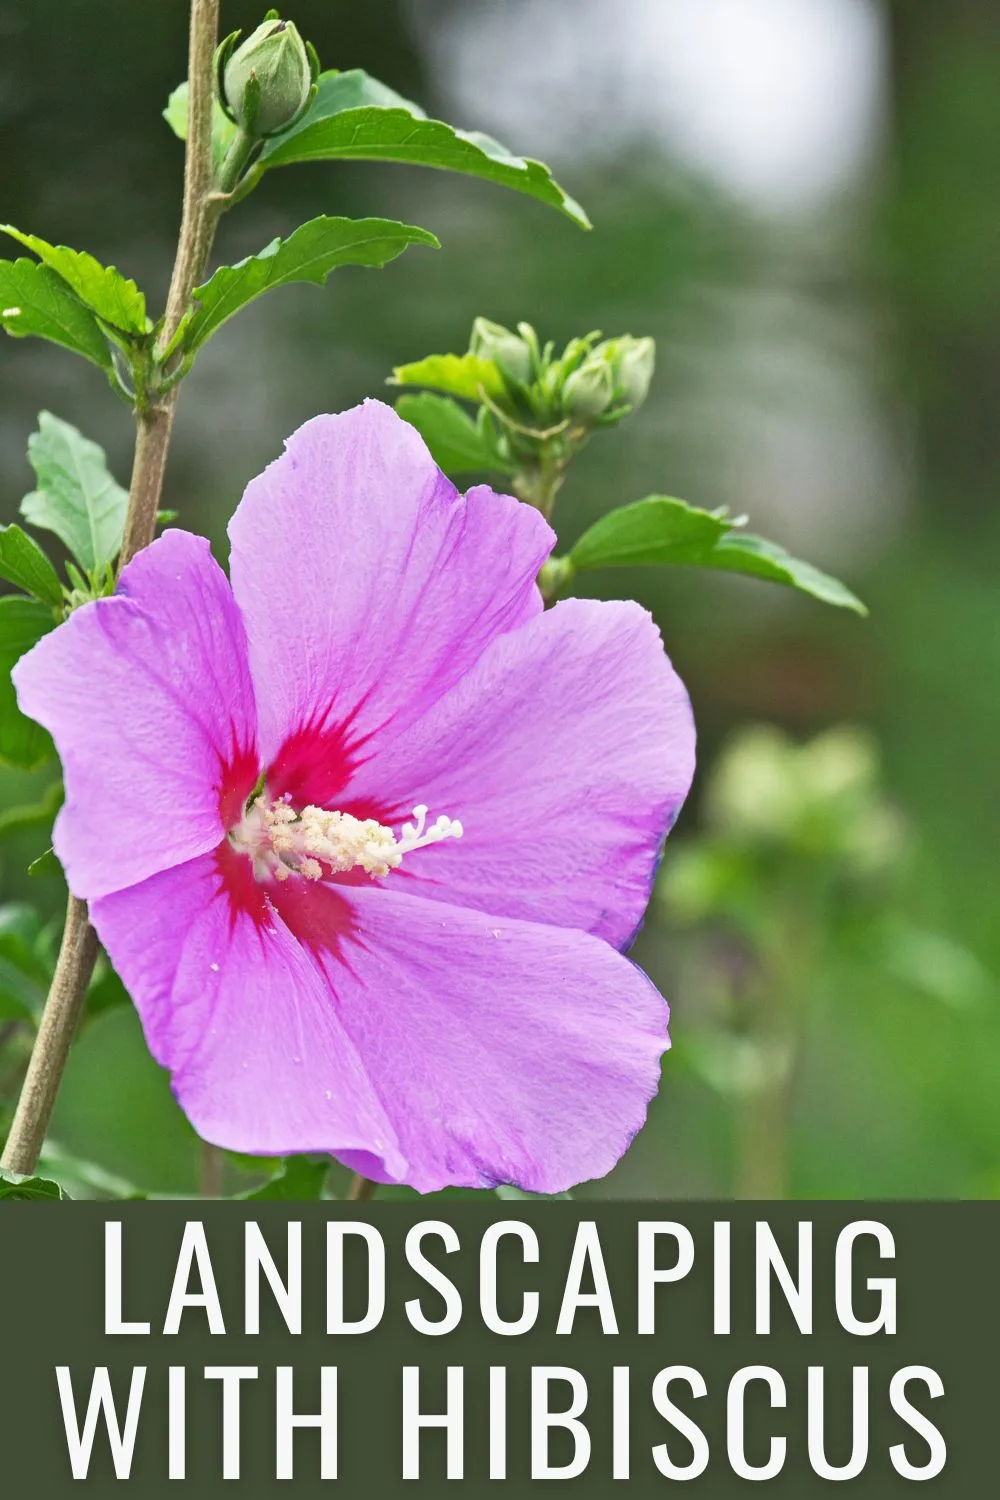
point(194, 243)
point(55, 1033)
point(154, 421)
point(540, 486)
point(153, 425)
point(762, 1155)
point(237, 159)
point(361, 1189)
point(762, 1141)
point(199, 217)
point(210, 1173)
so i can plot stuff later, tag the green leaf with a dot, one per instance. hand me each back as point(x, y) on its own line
point(77, 497)
point(104, 290)
point(45, 864)
point(353, 89)
point(26, 963)
point(14, 1186)
point(655, 530)
point(663, 530)
point(518, 1195)
point(176, 116)
point(23, 622)
point(462, 375)
point(300, 1180)
point(337, 128)
point(24, 563)
point(457, 444)
point(309, 254)
point(33, 814)
point(740, 552)
point(35, 301)
point(105, 992)
point(86, 1178)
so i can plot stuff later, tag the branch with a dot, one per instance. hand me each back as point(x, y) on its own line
point(154, 420)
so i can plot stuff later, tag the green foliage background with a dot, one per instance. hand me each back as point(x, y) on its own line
point(897, 288)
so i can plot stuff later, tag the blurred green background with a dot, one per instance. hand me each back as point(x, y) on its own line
point(800, 199)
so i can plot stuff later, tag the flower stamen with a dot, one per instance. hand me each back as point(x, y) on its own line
point(316, 842)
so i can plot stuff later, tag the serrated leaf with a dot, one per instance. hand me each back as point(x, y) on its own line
point(104, 289)
point(663, 530)
point(334, 128)
point(740, 552)
point(14, 1186)
point(223, 129)
point(463, 375)
point(34, 301)
point(23, 622)
point(300, 1180)
point(23, 563)
point(655, 530)
point(309, 254)
point(77, 497)
point(457, 445)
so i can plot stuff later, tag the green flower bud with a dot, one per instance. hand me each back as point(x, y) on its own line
point(510, 353)
point(268, 80)
point(635, 363)
point(589, 392)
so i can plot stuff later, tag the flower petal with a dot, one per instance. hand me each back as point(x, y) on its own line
point(148, 698)
point(368, 586)
point(566, 753)
point(503, 1051)
point(239, 1012)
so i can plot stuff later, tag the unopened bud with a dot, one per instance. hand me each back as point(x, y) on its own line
point(508, 351)
point(267, 81)
point(589, 391)
point(635, 364)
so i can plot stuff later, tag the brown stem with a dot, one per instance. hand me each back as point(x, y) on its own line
point(194, 245)
point(48, 1059)
point(210, 1175)
point(154, 420)
point(361, 1189)
point(199, 218)
point(152, 440)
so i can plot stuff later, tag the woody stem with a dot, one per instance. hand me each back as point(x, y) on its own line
point(154, 421)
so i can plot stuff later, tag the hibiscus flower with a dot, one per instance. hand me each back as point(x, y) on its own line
point(365, 832)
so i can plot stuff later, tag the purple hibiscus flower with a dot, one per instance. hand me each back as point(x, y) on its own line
point(435, 998)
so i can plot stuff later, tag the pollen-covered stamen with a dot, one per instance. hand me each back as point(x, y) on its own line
point(316, 842)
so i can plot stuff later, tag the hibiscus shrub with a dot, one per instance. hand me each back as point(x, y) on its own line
point(366, 828)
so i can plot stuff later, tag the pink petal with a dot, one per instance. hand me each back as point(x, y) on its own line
point(503, 1051)
point(566, 753)
point(239, 1012)
point(148, 698)
point(369, 586)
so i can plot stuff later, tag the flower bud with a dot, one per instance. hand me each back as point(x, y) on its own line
point(635, 364)
point(510, 353)
point(267, 81)
point(589, 391)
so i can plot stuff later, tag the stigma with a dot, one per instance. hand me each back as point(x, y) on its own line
point(315, 843)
